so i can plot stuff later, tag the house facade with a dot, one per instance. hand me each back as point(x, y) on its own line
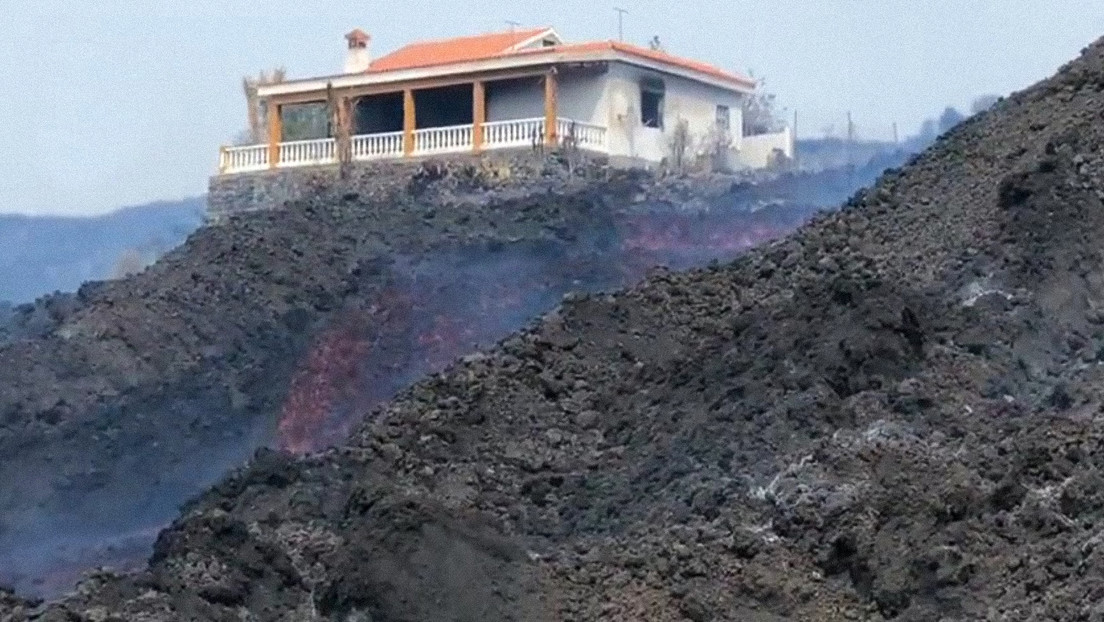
point(511, 90)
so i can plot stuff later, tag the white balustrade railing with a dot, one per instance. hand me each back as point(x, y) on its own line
point(513, 133)
point(308, 152)
point(516, 133)
point(243, 159)
point(450, 139)
point(584, 135)
point(378, 146)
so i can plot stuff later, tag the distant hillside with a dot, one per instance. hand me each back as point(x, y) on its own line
point(42, 254)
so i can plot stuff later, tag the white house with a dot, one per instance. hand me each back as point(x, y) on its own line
point(507, 90)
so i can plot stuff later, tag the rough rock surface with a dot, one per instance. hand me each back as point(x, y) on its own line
point(120, 402)
point(893, 414)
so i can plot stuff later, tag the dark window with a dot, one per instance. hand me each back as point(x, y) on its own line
point(651, 105)
point(724, 118)
point(443, 106)
point(376, 114)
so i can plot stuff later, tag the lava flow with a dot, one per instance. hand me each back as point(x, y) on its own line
point(441, 307)
point(434, 307)
point(329, 372)
point(434, 311)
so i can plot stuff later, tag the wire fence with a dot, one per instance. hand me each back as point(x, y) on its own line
point(845, 126)
point(842, 139)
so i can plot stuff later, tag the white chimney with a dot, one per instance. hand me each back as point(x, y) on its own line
point(359, 55)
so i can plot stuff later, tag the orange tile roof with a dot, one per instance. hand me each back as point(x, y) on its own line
point(457, 50)
point(500, 45)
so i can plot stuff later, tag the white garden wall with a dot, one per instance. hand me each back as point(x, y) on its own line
point(758, 151)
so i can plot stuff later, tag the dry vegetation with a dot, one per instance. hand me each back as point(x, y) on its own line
point(256, 115)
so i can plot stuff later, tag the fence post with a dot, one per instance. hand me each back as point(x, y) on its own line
point(409, 122)
point(275, 133)
point(550, 107)
point(479, 114)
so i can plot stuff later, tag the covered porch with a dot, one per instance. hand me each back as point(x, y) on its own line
point(471, 116)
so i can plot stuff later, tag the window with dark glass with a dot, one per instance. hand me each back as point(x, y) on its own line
point(724, 117)
point(651, 104)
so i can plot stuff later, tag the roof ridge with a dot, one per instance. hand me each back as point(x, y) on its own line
point(625, 47)
point(492, 33)
point(467, 47)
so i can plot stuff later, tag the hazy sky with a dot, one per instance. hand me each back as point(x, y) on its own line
point(116, 102)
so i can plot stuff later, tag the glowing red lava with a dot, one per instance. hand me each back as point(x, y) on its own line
point(448, 308)
point(329, 372)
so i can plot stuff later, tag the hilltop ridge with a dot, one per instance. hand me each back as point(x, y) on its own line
point(44, 254)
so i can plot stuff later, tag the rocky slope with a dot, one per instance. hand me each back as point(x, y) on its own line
point(893, 414)
point(282, 328)
point(121, 401)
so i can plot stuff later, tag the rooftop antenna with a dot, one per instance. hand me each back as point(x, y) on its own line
point(620, 22)
point(512, 24)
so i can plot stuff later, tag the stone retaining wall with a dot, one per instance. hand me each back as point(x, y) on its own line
point(246, 192)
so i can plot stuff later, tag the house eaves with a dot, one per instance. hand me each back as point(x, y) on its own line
point(547, 57)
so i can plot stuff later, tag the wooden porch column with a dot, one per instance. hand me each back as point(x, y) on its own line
point(550, 108)
point(479, 114)
point(409, 122)
point(275, 133)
